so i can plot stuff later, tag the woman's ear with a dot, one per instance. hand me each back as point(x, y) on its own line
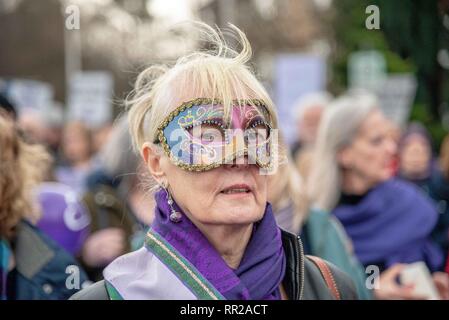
point(152, 159)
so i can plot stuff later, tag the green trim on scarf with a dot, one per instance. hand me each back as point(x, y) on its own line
point(182, 268)
point(112, 292)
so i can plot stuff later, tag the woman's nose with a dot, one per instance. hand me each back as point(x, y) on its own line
point(239, 162)
point(237, 146)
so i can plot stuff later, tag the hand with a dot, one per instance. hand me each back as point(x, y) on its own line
point(441, 281)
point(103, 246)
point(390, 289)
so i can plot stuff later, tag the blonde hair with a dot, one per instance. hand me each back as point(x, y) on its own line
point(287, 187)
point(221, 73)
point(338, 127)
point(22, 166)
point(304, 162)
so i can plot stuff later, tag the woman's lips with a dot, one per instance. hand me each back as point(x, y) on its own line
point(237, 190)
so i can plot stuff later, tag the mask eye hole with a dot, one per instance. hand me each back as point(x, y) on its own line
point(258, 133)
point(207, 133)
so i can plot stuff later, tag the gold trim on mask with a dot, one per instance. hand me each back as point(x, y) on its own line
point(205, 101)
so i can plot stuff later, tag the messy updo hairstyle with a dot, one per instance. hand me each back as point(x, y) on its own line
point(218, 72)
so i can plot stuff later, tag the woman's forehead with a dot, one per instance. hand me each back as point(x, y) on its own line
point(374, 122)
point(416, 138)
point(234, 110)
point(243, 114)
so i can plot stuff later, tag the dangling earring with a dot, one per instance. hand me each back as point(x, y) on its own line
point(175, 216)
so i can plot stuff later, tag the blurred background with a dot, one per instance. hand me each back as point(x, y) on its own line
point(51, 60)
point(67, 65)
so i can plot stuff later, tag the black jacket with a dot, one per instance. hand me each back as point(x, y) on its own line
point(303, 279)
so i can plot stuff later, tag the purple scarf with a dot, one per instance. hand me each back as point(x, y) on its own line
point(262, 267)
point(392, 224)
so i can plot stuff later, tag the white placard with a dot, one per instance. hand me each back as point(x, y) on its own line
point(29, 94)
point(90, 98)
point(418, 275)
point(295, 76)
point(396, 95)
point(366, 70)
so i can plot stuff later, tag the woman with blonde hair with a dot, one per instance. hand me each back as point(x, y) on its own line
point(206, 131)
point(32, 265)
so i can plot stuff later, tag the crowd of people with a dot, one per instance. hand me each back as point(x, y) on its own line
point(358, 190)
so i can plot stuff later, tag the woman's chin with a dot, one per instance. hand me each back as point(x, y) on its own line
point(242, 215)
point(229, 214)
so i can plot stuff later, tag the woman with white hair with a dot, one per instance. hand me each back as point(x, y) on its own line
point(388, 220)
point(205, 129)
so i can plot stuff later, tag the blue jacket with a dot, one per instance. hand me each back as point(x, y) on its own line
point(43, 269)
point(326, 238)
point(323, 236)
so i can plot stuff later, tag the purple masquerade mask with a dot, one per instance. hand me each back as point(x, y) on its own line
point(198, 136)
